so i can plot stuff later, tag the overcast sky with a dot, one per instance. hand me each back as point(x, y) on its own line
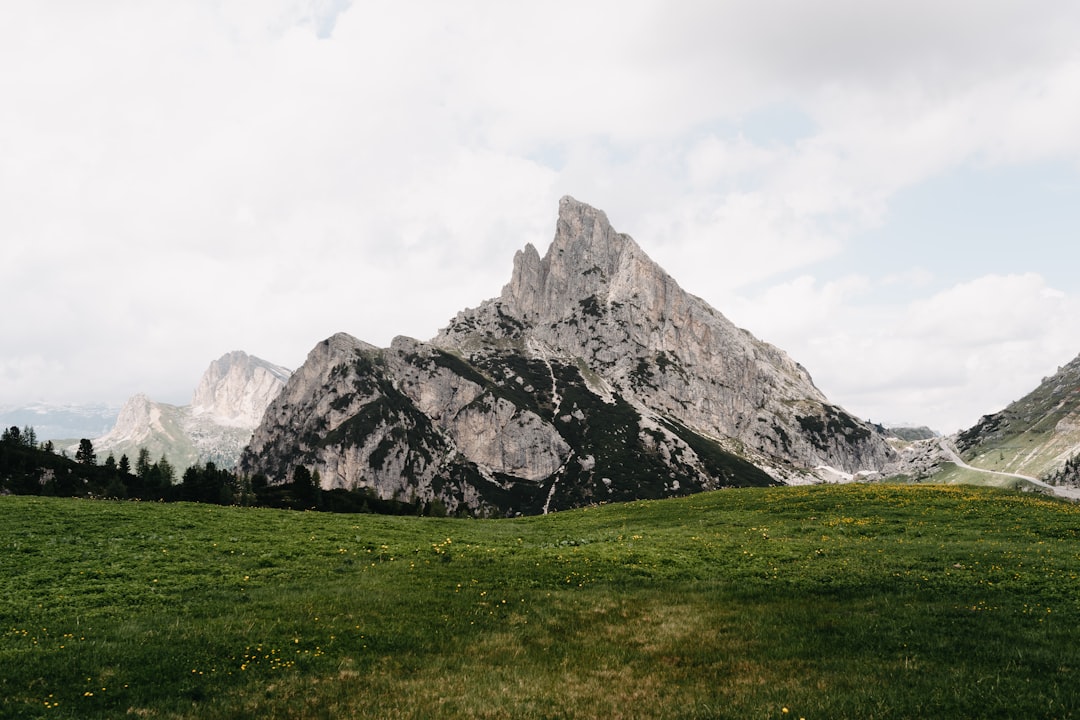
point(890, 192)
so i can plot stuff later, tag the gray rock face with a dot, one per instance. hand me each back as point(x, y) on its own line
point(596, 296)
point(592, 377)
point(236, 388)
point(340, 414)
point(226, 406)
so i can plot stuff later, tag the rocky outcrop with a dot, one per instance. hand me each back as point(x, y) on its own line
point(592, 377)
point(1036, 435)
point(226, 406)
point(911, 434)
point(235, 390)
point(139, 419)
point(596, 296)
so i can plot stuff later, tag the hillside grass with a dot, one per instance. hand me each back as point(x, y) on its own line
point(855, 601)
point(1033, 436)
point(1035, 453)
point(952, 474)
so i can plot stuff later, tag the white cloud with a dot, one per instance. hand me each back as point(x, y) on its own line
point(728, 163)
point(183, 179)
point(716, 244)
point(942, 360)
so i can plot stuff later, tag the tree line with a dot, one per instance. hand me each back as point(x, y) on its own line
point(28, 467)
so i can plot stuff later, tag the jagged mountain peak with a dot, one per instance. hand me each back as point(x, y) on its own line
point(585, 240)
point(227, 404)
point(598, 298)
point(587, 259)
point(592, 377)
point(596, 295)
point(236, 388)
point(135, 421)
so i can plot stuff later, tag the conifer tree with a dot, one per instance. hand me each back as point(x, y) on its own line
point(168, 475)
point(142, 463)
point(85, 454)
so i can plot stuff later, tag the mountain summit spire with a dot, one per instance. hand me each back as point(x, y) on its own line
point(593, 376)
point(586, 259)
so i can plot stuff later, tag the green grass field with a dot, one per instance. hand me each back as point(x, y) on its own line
point(856, 601)
point(950, 474)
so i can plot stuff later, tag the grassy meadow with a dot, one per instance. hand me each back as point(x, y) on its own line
point(951, 474)
point(854, 601)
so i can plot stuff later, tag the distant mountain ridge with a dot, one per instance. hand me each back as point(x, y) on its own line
point(1036, 435)
point(226, 406)
point(61, 422)
point(912, 433)
point(592, 377)
point(235, 390)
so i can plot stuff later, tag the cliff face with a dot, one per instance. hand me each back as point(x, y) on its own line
point(342, 414)
point(235, 390)
point(592, 377)
point(596, 296)
point(226, 406)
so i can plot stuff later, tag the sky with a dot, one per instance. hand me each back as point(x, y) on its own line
point(890, 192)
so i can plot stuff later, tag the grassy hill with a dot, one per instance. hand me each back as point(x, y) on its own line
point(1033, 436)
point(817, 602)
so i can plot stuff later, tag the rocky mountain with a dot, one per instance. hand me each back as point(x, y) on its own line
point(1036, 435)
point(911, 434)
point(592, 377)
point(226, 406)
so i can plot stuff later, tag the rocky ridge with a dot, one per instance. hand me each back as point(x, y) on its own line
point(1033, 444)
point(596, 296)
point(226, 406)
point(592, 377)
point(1036, 435)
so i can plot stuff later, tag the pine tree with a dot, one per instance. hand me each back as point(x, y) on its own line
point(85, 454)
point(303, 486)
point(142, 463)
point(168, 475)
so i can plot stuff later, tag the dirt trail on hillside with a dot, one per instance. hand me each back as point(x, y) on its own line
point(954, 457)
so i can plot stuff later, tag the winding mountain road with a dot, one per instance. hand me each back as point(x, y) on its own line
point(954, 457)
